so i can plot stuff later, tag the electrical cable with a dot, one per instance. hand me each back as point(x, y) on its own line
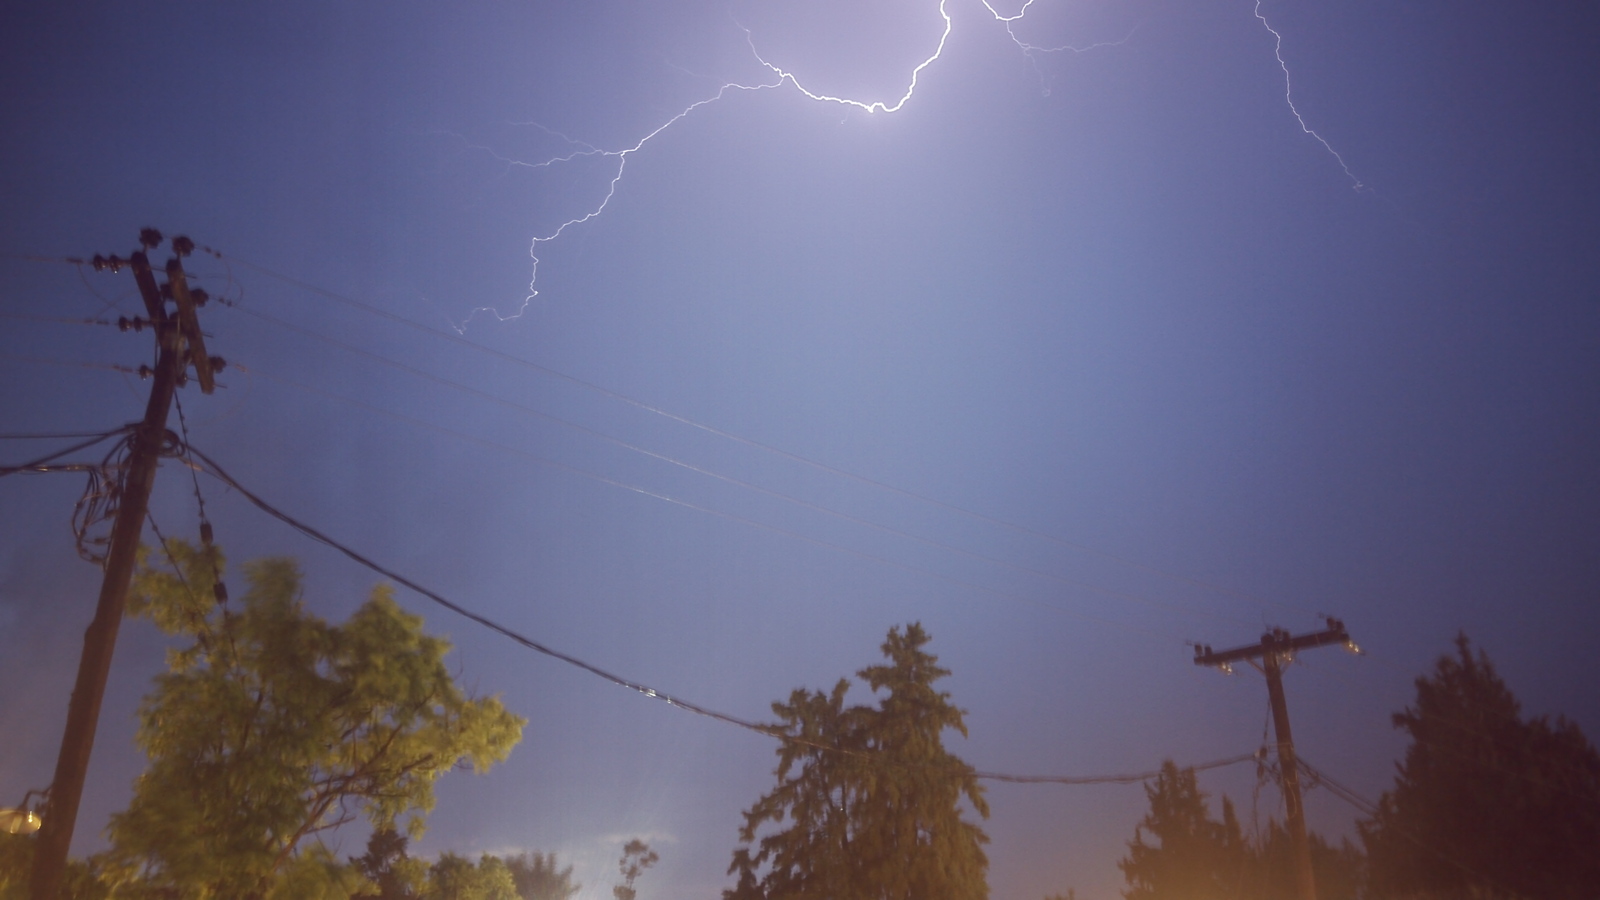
point(727, 435)
point(34, 465)
point(773, 731)
point(57, 320)
point(1371, 810)
point(41, 361)
point(700, 470)
point(1134, 778)
point(59, 436)
point(675, 501)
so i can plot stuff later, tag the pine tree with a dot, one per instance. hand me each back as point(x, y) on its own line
point(1486, 802)
point(1192, 856)
point(873, 800)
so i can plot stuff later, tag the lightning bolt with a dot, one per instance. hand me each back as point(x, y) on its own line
point(1033, 51)
point(1288, 97)
point(781, 77)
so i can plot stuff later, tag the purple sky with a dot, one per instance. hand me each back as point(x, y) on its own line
point(1117, 302)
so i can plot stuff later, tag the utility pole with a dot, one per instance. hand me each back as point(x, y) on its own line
point(179, 342)
point(1277, 649)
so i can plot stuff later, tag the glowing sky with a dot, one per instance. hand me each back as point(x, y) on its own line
point(1117, 301)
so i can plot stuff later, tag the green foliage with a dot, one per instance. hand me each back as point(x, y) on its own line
point(873, 799)
point(390, 873)
point(1192, 857)
point(1486, 803)
point(272, 727)
point(458, 878)
point(537, 877)
point(636, 857)
point(1179, 852)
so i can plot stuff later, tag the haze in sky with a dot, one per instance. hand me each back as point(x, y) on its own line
point(1135, 324)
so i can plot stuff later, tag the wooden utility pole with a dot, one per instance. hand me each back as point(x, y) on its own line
point(1277, 648)
point(178, 340)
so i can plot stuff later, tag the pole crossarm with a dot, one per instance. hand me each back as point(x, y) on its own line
point(1277, 643)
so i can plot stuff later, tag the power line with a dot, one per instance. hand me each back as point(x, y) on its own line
point(1134, 778)
point(701, 470)
point(1371, 810)
point(61, 436)
point(773, 731)
point(727, 435)
point(57, 320)
point(41, 361)
point(742, 520)
point(36, 464)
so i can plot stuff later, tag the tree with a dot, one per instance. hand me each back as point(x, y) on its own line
point(458, 878)
point(391, 873)
point(873, 798)
point(1193, 857)
point(272, 727)
point(1485, 802)
point(636, 857)
point(537, 877)
point(1339, 872)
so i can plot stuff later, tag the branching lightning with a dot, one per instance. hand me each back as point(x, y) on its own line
point(783, 76)
point(1033, 51)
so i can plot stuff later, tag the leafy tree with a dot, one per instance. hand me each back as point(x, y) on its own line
point(458, 878)
point(1193, 856)
point(1485, 803)
point(391, 873)
point(636, 857)
point(537, 877)
point(272, 727)
point(873, 798)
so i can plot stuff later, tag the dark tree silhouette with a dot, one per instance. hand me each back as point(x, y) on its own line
point(872, 798)
point(636, 857)
point(1179, 852)
point(1486, 803)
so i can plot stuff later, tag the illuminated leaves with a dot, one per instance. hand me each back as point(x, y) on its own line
point(272, 726)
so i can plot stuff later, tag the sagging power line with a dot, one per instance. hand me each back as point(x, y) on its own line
point(210, 467)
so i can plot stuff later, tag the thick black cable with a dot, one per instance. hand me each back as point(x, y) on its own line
point(773, 731)
point(221, 474)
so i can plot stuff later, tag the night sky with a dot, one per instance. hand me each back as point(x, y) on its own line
point(1080, 355)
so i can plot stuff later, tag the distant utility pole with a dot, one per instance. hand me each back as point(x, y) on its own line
point(180, 344)
point(1277, 648)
